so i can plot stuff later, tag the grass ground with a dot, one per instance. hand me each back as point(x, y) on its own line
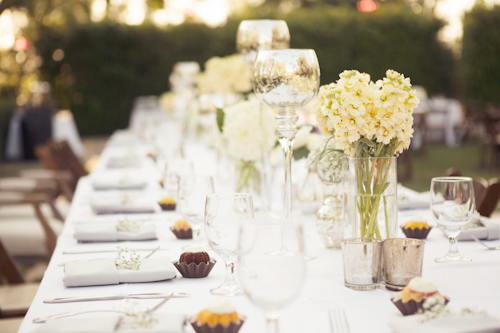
point(438, 158)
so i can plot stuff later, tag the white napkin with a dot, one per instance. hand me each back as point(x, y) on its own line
point(108, 233)
point(80, 325)
point(90, 273)
point(410, 199)
point(104, 271)
point(121, 182)
point(126, 161)
point(165, 322)
point(451, 324)
point(122, 204)
point(488, 230)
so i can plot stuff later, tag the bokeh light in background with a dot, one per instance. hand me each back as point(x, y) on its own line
point(366, 6)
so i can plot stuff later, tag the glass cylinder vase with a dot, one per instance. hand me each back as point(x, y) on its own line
point(329, 218)
point(371, 209)
point(249, 180)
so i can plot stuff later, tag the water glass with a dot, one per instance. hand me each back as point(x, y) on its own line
point(271, 277)
point(452, 207)
point(362, 263)
point(403, 260)
point(223, 214)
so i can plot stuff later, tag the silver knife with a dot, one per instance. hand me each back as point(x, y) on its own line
point(114, 250)
point(113, 297)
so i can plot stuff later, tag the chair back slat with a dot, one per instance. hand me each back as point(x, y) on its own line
point(7, 267)
point(489, 200)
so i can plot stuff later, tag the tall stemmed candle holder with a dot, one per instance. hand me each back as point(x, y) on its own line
point(254, 36)
point(286, 80)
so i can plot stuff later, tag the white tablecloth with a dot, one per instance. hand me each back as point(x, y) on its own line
point(474, 284)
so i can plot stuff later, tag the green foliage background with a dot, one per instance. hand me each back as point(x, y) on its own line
point(481, 55)
point(107, 65)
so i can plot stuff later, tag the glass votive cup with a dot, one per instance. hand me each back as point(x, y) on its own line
point(362, 263)
point(403, 260)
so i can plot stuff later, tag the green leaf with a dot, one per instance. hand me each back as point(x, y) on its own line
point(220, 119)
point(302, 152)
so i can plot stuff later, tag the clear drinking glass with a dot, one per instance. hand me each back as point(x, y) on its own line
point(286, 80)
point(193, 193)
point(272, 279)
point(452, 207)
point(223, 214)
point(257, 35)
point(174, 170)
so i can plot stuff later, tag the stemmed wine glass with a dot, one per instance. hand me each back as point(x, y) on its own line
point(174, 170)
point(254, 36)
point(286, 80)
point(272, 279)
point(193, 192)
point(257, 35)
point(453, 207)
point(223, 214)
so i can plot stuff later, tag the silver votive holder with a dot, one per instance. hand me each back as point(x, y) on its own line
point(403, 259)
point(362, 263)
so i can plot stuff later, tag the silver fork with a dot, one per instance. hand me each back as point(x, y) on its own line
point(74, 313)
point(486, 245)
point(338, 321)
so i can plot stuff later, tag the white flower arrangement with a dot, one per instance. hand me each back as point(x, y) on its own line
point(126, 225)
point(127, 260)
point(368, 119)
point(327, 158)
point(248, 131)
point(225, 75)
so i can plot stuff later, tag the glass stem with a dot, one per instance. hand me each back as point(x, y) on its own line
point(196, 232)
point(453, 250)
point(287, 145)
point(230, 279)
point(272, 324)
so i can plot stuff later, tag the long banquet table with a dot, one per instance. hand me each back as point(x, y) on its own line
point(474, 285)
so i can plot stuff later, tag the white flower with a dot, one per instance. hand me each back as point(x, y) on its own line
point(355, 108)
point(247, 131)
point(225, 75)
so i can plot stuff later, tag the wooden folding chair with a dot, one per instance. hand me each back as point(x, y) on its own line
point(24, 229)
point(489, 199)
point(16, 297)
point(480, 185)
point(59, 156)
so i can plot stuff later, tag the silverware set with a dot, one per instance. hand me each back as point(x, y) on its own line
point(484, 244)
point(338, 321)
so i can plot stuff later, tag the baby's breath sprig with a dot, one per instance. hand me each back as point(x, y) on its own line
point(126, 200)
point(127, 260)
point(126, 225)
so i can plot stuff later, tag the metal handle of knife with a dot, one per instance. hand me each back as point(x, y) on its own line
point(112, 297)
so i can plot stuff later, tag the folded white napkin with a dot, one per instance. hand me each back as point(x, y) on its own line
point(116, 204)
point(486, 229)
point(125, 161)
point(80, 325)
point(90, 273)
point(121, 182)
point(104, 271)
point(410, 199)
point(451, 324)
point(164, 322)
point(107, 233)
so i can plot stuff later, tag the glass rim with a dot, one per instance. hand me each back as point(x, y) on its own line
point(281, 50)
point(229, 195)
point(404, 241)
point(263, 20)
point(361, 241)
point(451, 179)
point(371, 158)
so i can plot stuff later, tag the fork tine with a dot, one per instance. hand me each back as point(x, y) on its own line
point(338, 321)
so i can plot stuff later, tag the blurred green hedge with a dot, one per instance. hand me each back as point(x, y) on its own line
point(480, 62)
point(106, 66)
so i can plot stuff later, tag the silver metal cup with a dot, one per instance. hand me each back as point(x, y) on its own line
point(362, 263)
point(403, 259)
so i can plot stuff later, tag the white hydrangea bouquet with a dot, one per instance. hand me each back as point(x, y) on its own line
point(372, 123)
point(225, 75)
point(248, 132)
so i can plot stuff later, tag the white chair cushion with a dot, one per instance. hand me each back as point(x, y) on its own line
point(17, 297)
